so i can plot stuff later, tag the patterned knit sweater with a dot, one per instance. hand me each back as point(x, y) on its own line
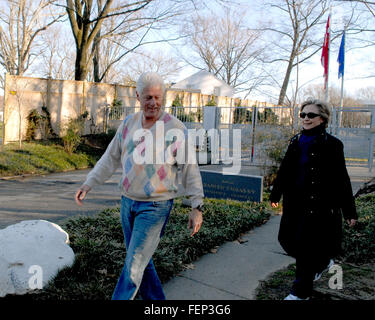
point(154, 179)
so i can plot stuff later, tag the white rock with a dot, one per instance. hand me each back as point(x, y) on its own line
point(31, 254)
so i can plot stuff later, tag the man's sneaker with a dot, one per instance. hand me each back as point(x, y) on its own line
point(318, 275)
point(293, 297)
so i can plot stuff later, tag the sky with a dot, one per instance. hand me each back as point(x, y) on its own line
point(359, 62)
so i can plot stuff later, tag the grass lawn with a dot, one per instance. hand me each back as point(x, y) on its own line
point(98, 244)
point(44, 157)
point(357, 263)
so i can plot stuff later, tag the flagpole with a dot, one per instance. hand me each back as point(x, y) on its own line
point(342, 87)
point(341, 100)
point(329, 45)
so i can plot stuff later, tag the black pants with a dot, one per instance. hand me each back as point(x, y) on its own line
point(306, 268)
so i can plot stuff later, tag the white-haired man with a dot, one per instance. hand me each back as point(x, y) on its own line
point(148, 187)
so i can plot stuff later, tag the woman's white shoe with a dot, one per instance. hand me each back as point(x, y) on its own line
point(319, 275)
point(293, 297)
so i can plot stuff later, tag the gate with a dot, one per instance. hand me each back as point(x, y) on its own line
point(267, 129)
point(355, 127)
point(262, 129)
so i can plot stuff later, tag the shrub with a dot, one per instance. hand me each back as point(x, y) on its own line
point(72, 137)
point(199, 114)
point(359, 242)
point(117, 110)
point(178, 111)
point(98, 244)
point(33, 122)
point(268, 116)
point(211, 102)
point(273, 145)
point(39, 121)
point(242, 115)
point(46, 126)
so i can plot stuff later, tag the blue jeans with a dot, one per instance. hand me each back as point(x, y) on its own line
point(143, 223)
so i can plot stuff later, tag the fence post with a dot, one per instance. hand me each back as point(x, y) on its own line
point(334, 122)
point(372, 139)
point(105, 120)
point(5, 106)
point(295, 118)
point(48, 98)
point(253, 124)
point(83, 105)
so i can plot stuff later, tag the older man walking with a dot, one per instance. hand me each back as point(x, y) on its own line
point(149, 184)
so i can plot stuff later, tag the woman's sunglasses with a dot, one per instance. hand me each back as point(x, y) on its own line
point(310, 115)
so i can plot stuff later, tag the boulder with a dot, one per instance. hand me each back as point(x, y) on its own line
point(31, 254)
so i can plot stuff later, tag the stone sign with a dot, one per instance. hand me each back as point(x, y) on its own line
point(240, 187)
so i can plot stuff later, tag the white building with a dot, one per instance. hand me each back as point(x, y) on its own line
point(207, 83)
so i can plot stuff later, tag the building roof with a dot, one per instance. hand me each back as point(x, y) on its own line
point(207, 83)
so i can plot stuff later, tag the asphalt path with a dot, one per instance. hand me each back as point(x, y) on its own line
point(51, 197)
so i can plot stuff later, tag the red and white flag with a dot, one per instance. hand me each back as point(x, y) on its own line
point(325, 53)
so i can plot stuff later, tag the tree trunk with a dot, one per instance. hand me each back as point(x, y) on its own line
point(284, 87)
point(96, 48)
point(95, 61)
point(81, 68)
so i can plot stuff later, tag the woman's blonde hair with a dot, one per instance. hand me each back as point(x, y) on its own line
point(324, 109)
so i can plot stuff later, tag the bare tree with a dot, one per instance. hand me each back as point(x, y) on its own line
point(112, 48)
point(366, 94)
point(57, 59)
point(299, 31)
point(366, 24)
point(227, 48)
point(369, 5)
point(349, 117)
point(135, 21)
point(156, 61)
point(16, 90)
point(317, 91)
point(21, 22)
point(296, 34)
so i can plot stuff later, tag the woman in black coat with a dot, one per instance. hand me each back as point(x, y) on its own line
point(316, 191)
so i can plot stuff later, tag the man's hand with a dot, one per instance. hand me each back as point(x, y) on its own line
point(81, 194)
point(195, 221)
point(274, 204)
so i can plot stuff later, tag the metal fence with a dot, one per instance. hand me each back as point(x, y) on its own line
point(355, 128)
point(265, 129)
point(261, 128)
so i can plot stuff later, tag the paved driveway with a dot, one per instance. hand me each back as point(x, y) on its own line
point(51, 197)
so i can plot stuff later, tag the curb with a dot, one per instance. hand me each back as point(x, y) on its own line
point(26, 175)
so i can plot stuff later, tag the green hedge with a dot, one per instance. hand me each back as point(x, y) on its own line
point(98, 244)
point(359, 242)
point(357, 261)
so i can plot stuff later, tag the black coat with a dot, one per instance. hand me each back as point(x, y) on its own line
point(312, 215)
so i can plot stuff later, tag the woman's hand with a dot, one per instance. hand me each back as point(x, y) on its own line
point(274, 204)
point(81, 194)
point(351, 222)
